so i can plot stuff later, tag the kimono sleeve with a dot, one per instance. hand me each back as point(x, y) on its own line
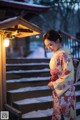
point(66, 72)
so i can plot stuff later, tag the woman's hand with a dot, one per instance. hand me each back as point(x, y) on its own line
point(50, 85)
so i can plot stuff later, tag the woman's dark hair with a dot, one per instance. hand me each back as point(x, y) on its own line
point(52, 35)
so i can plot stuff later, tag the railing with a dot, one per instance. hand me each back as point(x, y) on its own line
point(14, 114)
point(72, 43)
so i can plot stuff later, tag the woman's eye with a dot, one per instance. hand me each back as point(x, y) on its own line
point(50, 45)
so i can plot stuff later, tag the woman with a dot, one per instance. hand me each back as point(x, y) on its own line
point(62, 78)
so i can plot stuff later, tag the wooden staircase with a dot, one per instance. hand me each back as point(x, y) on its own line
point(27, 89)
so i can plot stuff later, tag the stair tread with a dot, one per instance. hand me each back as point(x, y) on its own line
point(36, 88)
point(77, 83)
point(44, 113)
point(34, 100)
point(28, 79)
point(27, 89)
point(77, 105)
point(77, 93)
point(39, 100)
point(41, 113)
point(27, 71)
point(27, 64)
point(32, 79)
point(38, 113)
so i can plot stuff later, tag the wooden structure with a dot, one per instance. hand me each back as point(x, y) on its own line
point(13, 27)
point(11, 8)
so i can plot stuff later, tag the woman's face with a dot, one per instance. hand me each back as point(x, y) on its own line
point(51, 45)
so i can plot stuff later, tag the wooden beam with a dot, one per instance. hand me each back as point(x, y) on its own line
point(2, 72)
point(18, 29)
point(14, 111)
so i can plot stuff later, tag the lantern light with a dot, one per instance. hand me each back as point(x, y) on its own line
point(6, 42)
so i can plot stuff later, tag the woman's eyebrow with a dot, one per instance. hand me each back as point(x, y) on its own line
point(48, 44)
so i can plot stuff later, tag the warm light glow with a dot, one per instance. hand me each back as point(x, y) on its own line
point(6, 42)
point(37, 36)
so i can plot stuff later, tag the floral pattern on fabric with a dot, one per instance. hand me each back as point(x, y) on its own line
point(64, 106)
point(62, 78)
point(62, 71)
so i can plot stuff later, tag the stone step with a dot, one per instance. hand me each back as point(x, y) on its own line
point(27, 92)
point(28, 105)
point(24, 60)
point(39, 103)
point(40, 115)
point(26, 66)
point(33, 81)
point(26, 73)
point(26, 82)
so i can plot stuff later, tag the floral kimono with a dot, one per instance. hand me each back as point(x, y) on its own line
point(63, 91)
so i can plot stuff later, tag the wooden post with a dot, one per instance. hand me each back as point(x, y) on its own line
point(45, 52)
point(2, 72)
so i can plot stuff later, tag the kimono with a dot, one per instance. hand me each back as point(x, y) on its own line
point(63, 90)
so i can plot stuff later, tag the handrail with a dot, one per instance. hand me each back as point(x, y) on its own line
point(14, 111)
point(71, 37)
